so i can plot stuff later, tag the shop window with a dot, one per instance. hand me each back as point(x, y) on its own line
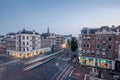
point(110, 38)
point(110, 64)
point(103, 63)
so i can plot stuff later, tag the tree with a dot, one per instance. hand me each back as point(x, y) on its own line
point(68, 43)
point(73, 44)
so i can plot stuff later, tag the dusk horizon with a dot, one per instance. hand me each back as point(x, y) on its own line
point(62, 17)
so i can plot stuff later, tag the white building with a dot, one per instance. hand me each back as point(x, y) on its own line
point(28, 43)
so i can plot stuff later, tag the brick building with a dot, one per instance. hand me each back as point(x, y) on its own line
point(99, 47)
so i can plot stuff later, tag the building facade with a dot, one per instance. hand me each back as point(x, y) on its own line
point(98, 47)
point(59, 40)
point(28, 43)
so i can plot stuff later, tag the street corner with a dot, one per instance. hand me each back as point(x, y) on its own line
point(77, 74)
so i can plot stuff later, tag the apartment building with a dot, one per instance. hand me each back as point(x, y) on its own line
point(99, 47)
point(27, 44)
point(59, 39)
point(2, 45)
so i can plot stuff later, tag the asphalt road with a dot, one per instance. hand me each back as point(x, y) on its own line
point(45, 71)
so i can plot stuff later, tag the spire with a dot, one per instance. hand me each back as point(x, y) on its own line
point(48, 30)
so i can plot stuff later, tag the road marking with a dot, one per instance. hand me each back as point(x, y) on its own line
point(71, 73)
point(59, 77)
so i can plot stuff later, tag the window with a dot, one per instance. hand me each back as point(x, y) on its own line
point(103, 46)
point(88, 51)
point(92, 52)
point(109, 46)
point(84, 37)
point(92, 38)
point(104, 38)
point(23, 37)
point(27, 37)
point(83, 45)
point(23, 43)
point(103, 54)
point(88, 38)
point(98, 46)
point(84, 51)
point(110, 38)
point(98, 53)
point(27, 49)
point(109, 55)
point(17, 48)
point(117, 38)
point(23, 49)
point(88, 45)
point(27, 43)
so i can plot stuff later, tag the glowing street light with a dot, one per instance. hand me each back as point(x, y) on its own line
point(63, 45)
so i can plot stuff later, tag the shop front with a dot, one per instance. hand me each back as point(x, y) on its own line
point(103, 63)
point(87, 61)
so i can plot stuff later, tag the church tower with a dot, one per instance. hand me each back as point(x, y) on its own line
point(48, 30)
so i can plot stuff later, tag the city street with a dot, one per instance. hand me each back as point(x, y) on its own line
point(45, 71)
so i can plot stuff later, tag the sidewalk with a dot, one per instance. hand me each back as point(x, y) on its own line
point(84, 73)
